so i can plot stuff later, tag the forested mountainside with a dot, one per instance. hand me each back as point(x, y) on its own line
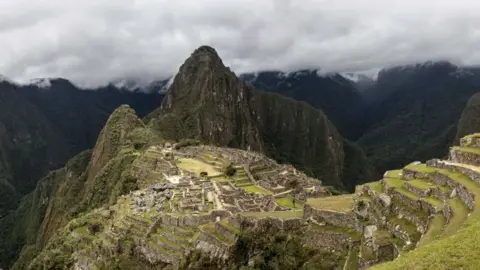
point(333, 94)
point(406, 113)
point(43, 125)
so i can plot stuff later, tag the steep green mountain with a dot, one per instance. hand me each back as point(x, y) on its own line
point(208, 102)
point(89, 180)
point(333, 94)
point(43, 125)
point(414, 111)
point(470, 121)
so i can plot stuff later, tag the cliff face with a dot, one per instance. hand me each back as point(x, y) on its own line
point(470, 121)
point(212, 104)
point(208, 102)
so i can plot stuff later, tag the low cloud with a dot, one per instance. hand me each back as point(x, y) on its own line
point(93, 42)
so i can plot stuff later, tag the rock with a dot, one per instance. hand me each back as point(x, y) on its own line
point(385, 199)
point(369, 230)
point(105, 213)
point(454, 193)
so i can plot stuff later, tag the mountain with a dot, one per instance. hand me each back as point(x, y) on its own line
point(45, 123)
point(470, 120)
point(333, 94)
point(208, 102)
point(413, 112)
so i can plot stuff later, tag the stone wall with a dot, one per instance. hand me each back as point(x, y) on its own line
point(225, 231)
point(464, 157)
point(327, 240)
point(410, 175)
point(417, 191)
point(155, 256)
point(470, 141)
point(422, 224)
point(193, 220)
point(447, 212)
point(439, 194)
point(339, 219)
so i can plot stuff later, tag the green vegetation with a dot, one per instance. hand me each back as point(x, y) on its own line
point(256, 189)
point(229, 170)
point(277, 214)
point(433, 232)
point(196, 166)
point(467, 149)
point(343, 203)
point(460, 215)
point(287, 202)
point(394, 174)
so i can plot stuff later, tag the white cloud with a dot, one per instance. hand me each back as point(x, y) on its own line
point(97, 41)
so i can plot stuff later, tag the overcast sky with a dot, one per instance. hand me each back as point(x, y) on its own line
point(95, 41)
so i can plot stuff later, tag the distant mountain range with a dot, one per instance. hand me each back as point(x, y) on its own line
point(46, 122)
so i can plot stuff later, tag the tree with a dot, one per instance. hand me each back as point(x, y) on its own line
point(203, 174)
point(229, 170)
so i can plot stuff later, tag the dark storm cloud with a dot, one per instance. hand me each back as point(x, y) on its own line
point(96, 41)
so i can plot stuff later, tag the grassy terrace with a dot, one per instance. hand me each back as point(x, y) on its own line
point(256, 189)
point(467, 149)
point(420, 168)
point(394, 174)
point(210, 229)
point(421, 184)
point(342, 203)
point(229, 226)
point(376, 186)
point(406, 226)
point(434, 230)
point(288, 203)
point(457, 250)
point(196, 166)
point(398, 185)
point(460, 214)
point(276, 214)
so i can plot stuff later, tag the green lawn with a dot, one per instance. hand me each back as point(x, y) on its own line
point(196, 166)
point(288, 203)
point(420, 168)
point(277, 214)
point(342, 203)
point(421, 184)
point(376, 186)
point(255, 189)
point(220, 179)
point(394, 174)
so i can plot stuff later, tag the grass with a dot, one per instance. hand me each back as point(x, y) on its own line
point(276, 214)
point(229, 226)
point(288, 203)
point(376, 186)
point(256, 189)
point(423, 168)
point(420, 184)
point(408, 227)
point(341, 203)
point(196, 166)
point(433, 231)
point(394, 174)
point(457, 251)
point(460, 214)
point(352, 260)
point(467, 149)
point(397, 184)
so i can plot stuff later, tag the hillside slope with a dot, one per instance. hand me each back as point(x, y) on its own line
point(41, 127)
